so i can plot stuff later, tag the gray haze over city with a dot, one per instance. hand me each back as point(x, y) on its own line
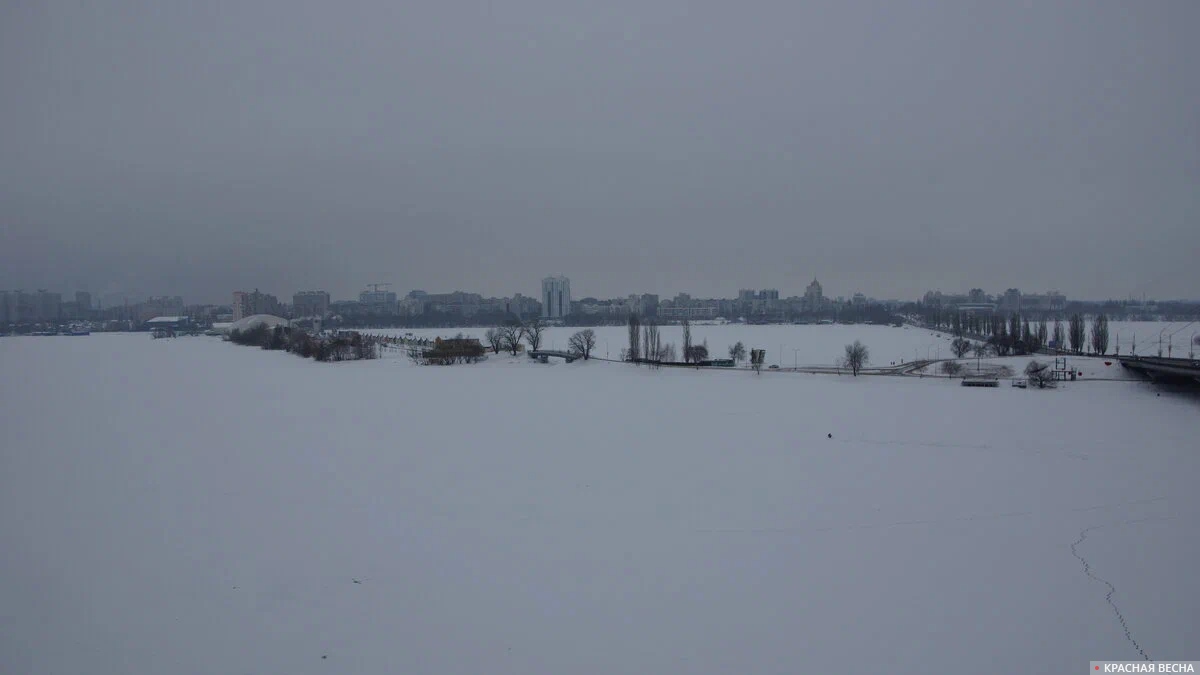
point(890, 148)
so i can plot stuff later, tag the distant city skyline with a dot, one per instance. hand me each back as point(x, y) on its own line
point(797, 281)
point(592, 289)
point(100, 300)
point(378, 304)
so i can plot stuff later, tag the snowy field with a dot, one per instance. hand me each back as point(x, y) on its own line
point(191, 506)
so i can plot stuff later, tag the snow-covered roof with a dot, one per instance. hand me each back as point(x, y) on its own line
point(167, 319)
point(253, 321)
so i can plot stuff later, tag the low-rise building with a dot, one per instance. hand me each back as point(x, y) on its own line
point(172, 323)
point(672, 312)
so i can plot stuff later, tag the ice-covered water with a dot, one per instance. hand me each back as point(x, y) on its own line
point(191, 506)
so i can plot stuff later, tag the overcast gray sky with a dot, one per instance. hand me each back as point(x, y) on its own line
point(634, 145)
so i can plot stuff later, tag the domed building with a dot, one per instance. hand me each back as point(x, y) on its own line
point(254, 321)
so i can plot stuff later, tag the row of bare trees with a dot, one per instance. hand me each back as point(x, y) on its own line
point(647, 346)
point(737, 352)
point(345, 346)
point(645, 342)
point(1017, 335)
point(1100, 335)
point(1077, 334)
point(509, 336)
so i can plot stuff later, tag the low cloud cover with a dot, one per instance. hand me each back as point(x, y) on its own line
point(636, 147)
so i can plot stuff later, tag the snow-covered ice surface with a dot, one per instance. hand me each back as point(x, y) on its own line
point(798, 344)
point(788, 345)
point(191, 506)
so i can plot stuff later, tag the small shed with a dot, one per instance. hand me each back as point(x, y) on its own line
point(168, 326)
point(175, 323)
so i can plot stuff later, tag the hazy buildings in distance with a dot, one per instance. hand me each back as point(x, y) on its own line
point(376, 301)
point(21, 311)
point(40, 306)
point(645, 305)
point(520, 306)
point(249, 304)
point(310, 304)
point(1012, 300)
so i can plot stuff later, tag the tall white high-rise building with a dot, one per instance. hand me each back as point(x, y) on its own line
point(556, 297)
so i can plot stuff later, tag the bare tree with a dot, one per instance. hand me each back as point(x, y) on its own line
point(510, 337)
point(1076, 334)
point(951, 368)
point(857, 356)
point(737, 352)
point(583, 343)
point(687, 340)
point(757, 356)
point(696, 354)
point(1039, 373)
point(981, 350)
point(651, 340)
point(1058, 336)
point(495, 339)
point(1100, 334)
point(960, 347)
point(533, 331)
point(589, 342)
point(652, 348)
point(1001, 340)
point(635, 338)
point(669, 353)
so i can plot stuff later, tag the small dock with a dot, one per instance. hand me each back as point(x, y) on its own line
point(980, 382)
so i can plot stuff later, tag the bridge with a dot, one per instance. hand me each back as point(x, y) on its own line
point(1165, 370)
point(545, 355)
